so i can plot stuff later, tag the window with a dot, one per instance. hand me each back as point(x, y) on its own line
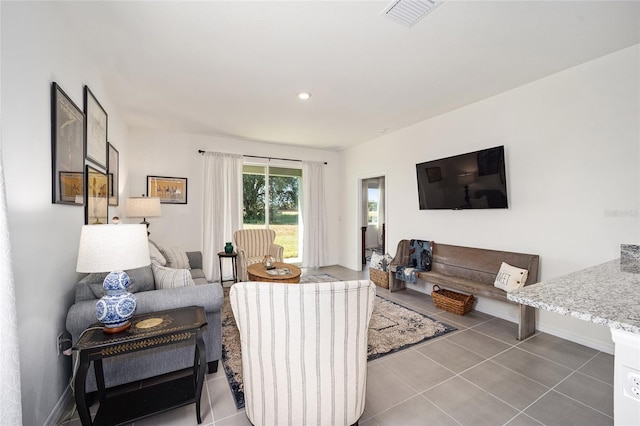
point(279, 189)
point(373, 203)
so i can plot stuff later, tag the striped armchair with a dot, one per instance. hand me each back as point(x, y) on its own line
point(304, 350)
point(252, 245)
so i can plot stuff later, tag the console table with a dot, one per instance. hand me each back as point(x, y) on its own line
point(147, 331)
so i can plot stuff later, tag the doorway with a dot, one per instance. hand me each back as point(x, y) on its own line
point(373, 221)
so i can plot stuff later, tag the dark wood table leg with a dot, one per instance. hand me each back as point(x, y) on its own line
point(80, 389)
point(97, 368)
point(234, 261)
point(200, 362)
point(220, 263)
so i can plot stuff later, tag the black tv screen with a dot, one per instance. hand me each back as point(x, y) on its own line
point(475, 180)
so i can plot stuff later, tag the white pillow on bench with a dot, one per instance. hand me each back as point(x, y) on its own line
point(510, 278)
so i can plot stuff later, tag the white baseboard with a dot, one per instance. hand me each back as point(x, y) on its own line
point(551, 323)
point(56, 415)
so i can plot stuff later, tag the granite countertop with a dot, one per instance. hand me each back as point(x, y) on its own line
point(601, 294)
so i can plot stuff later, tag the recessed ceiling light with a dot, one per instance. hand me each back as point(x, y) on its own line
point(304, 95)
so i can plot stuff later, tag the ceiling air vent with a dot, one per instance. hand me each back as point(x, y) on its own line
point(408, 12)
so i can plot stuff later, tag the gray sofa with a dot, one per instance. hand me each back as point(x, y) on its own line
point(151, 363)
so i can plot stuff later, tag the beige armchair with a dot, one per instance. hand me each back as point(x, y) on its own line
point(252, 245)
point(304, 350)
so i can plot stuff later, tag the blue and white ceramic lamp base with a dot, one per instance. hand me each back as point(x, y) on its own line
point(115, 308)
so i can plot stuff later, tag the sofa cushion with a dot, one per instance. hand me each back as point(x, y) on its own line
point(177, 258)
point(141, 279)
point(171, 278)
point(197, 273)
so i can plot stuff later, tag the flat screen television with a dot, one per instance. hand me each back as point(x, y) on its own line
point(475, 180)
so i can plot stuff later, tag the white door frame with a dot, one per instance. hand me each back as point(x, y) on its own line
point(360, 212)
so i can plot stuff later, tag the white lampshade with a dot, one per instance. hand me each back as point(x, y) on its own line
point(143, 207)
point(107, 248)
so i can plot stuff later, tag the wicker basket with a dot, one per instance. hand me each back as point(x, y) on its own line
point(379, 277)
point(450, 301)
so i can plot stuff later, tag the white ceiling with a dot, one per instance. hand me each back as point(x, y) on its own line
point(234, 68)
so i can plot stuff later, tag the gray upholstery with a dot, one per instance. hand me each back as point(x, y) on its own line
point(142, 365)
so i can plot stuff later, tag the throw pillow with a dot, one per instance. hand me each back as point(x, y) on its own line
point(510, 278)
point(156, 257)
point(386, 261)
point(177, 258)
point(171, 278)
point(160, 248)
point(376, 261)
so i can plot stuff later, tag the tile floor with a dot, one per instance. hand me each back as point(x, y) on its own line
point(478, 375)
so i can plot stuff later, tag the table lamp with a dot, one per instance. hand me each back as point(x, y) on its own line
point(113, 248)
point(143, 207)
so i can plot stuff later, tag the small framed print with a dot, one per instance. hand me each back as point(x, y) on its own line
point(96, 209)
point(67, 143)
point(95, 130)
point(71, 186)
point(113, 173)
point(170, 190)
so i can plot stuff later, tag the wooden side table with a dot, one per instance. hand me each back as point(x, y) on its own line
point(257, 272)
point(147, 331)
point(234, 263)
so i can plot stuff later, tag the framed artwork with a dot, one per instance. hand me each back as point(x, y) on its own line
point(71, 187)
point(434, 174)
point(113, 173)
point(96, 208)
point(67, 143)
point(95, 130)
point(170, 190)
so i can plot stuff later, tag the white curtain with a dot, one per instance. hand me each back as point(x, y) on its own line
point(313, 214)
point(10, 394)
point(222, 208)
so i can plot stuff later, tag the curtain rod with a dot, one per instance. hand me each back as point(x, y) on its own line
point(200, 151)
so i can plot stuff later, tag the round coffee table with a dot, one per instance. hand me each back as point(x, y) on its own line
point(257, 272)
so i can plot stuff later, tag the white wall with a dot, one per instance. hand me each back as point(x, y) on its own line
point(158, 153)
point(572, 147)
point(44, 236)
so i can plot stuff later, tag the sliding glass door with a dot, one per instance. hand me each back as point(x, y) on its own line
point(271, 197)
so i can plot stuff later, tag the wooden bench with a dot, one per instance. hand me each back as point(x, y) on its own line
point(473, 271)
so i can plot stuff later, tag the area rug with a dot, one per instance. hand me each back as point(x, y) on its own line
point(392, 328)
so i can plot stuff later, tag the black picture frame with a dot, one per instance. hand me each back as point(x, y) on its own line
point(170, 190)
point(95, 130)
point(113, 164)
point(71, 186)
point(96, 197)
point(67, 142)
